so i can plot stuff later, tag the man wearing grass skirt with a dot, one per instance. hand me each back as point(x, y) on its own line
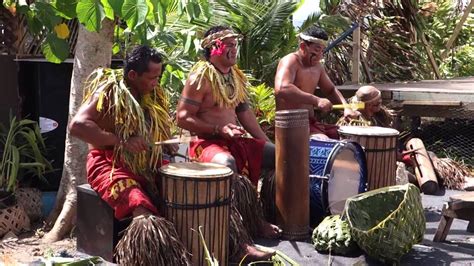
point(122, 112)
point(298, 76)
point(214, 106)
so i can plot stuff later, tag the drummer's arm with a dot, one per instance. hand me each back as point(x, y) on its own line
point(332, 93)
point(329, 90)
point(84, 126)
point(248, 120)
point(189, 105)
point(284, 84)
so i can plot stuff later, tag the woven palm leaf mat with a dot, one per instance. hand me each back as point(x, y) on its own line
point(458, 250)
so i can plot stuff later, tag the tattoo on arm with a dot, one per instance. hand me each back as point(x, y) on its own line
point(190, 101)
point(243, 106)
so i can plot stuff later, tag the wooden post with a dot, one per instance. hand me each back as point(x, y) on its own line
point(356, 56)
point(433, 63)
point(457, 30)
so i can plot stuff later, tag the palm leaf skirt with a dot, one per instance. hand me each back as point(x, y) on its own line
point(387, 222)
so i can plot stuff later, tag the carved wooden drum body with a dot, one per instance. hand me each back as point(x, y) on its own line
point(198, 195)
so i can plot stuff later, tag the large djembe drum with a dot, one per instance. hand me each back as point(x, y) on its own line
point(198, 195)
point(292, 173)
point(380, 146)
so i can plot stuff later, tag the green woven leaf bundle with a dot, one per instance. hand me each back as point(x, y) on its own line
point(333, 234)
point(387, 222)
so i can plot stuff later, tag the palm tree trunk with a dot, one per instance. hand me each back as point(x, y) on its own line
point(93, 49)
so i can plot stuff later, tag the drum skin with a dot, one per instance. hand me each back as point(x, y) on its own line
point(380, 146)
point(338, 170)
point(424, 170)
point(198, 195)
point(292, 169)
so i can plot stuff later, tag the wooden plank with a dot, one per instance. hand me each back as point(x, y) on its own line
point(356, 56)
point(448, 86)
point(443, 229)
point(444, 225)
point(433, 103)
point(428, 98)
point(457, 29)
point(433, 96)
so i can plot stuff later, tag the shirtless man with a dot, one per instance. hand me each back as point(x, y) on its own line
point(212, 101)
point(120, 164)
point(299, 74)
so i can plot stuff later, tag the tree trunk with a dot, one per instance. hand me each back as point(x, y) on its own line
point(92, 50)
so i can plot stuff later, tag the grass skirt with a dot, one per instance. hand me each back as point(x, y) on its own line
point(245, 200)
point(151, 240)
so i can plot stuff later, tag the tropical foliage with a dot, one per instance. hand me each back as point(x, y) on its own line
point(396, 38)
point(137, 19)
point(22, 153)
point(267, 36)
point(396, 35)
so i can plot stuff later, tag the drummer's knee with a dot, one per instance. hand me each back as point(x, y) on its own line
point(225, 159)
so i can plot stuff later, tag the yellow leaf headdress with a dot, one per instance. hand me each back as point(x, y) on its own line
point(149, 118)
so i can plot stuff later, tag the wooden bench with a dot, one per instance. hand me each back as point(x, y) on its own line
point(97, 229)
point(460, 206)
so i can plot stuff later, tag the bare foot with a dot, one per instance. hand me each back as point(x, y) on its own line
point(268, 230)
point(253, 254)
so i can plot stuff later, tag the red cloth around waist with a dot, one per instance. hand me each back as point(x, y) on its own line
point(247, 152)
point(316, 127)
point(116, 184)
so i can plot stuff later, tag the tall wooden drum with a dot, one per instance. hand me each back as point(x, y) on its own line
point(199, 194)
point(380, 145)
point(292, 173)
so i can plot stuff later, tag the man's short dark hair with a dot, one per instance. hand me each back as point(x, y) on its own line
point(214, 29)
point(317, 32)
point(139, 58)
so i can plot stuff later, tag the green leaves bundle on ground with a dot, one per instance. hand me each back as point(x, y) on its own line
point(333, 235)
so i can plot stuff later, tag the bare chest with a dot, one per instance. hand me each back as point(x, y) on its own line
point(308, 79)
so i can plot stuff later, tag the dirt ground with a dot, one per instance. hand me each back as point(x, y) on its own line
point(28, 248)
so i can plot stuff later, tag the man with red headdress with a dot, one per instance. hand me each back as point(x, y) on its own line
point(214, 106)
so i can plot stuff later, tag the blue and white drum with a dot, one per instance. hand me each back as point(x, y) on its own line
point(338, 170)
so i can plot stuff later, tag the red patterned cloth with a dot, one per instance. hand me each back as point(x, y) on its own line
point(316, 127)
point(123, 190)
point(247, 152)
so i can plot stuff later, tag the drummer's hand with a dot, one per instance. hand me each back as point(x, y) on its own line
point(324, 105)
point(171, 148)
point(135, 144)
point(350, 114)
point(231, 131)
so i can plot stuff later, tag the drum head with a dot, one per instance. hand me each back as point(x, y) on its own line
point(368, 131)
point(196, 170)
point(347, 171)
